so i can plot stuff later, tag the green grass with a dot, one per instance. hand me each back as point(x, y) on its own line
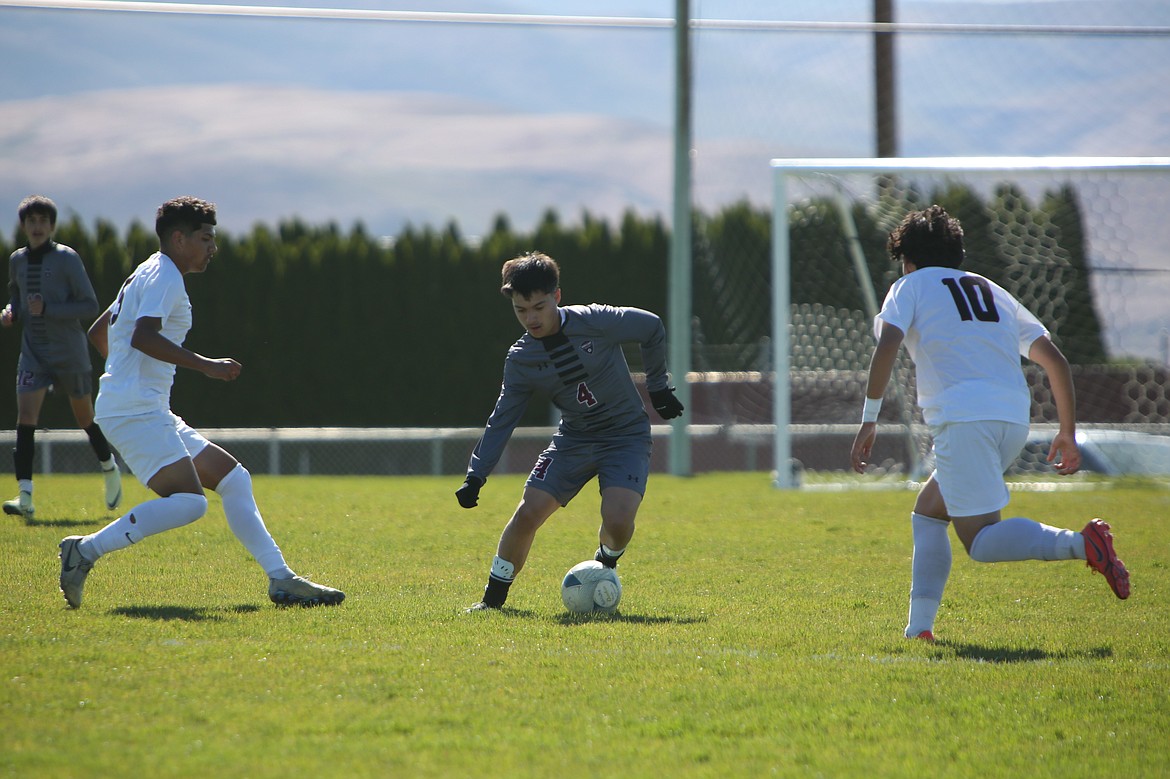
point(759, 634)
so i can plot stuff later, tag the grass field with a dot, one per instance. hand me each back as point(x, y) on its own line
point(759, 634)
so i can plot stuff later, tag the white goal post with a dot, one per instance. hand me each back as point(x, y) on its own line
point(886, 188)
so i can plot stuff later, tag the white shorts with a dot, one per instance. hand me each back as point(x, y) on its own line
point(970, 460)
point(150, 442)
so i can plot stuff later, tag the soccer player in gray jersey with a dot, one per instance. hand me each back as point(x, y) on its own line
point(49, 294)
point(573, 354)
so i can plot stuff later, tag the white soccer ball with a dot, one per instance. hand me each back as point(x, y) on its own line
point(590, 586)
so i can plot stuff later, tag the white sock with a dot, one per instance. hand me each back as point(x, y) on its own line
point(24, 485)
point(108, 465)
point(243, 517)
point(929, 571)
point(502, 569)
point(146, 519)
point(1019, 538)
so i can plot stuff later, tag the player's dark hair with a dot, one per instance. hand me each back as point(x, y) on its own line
point(185, 213)
point(37, 204)
point(928, 237)
point(531, 273)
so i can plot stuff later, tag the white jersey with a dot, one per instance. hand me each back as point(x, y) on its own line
point(134, 383)
point(965, 334)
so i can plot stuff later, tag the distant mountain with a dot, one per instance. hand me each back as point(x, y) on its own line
point(266, 153)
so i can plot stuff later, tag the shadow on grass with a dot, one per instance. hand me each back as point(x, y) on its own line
point(70, 522)
point(991, 654)
point(183, 613)
point(633, 619)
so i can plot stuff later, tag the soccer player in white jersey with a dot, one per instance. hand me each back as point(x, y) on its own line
point(573, 355)
point(965, 335)
point(50, 295)
point(141, 335)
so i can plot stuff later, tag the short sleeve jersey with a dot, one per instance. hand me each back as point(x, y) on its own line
point(583, 370)
point(133, 382)
point(965, 335)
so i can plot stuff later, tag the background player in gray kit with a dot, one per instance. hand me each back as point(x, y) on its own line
point(574, 356)
point(50, 294)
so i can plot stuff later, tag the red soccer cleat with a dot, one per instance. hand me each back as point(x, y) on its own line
point(925, 635)
point(1101, 558)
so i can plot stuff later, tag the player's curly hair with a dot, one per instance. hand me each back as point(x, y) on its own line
point(928, 237)
point(529, 274)
point(184, 213)
point(37, 204)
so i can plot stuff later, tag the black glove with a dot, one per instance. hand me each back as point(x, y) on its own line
point(468, 494)
point(665, 403)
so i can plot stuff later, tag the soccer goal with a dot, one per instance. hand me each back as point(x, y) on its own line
point(1082, 242)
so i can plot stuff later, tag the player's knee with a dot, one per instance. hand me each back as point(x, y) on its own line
point(189, 506)
point(238, 479)
point(980, 553)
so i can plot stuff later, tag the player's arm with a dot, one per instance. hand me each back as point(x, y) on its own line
point(881, 368)
point(9, 314)
point(510, 406)
point(1064, 451)
point(148, 339)
point(99, 334)
point(646, 328)
point(80, 301)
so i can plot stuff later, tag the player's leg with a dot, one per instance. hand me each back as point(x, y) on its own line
point(931, 565)
point(619, 509)
point(535, 507)
point(81, 401)
point(560, 472)
point(180, 502)
point(220, 471)
point(30, 396)
point(154, 451)
point(623, 470)
point(988, 539)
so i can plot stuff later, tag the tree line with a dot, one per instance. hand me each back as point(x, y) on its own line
point(343, 328)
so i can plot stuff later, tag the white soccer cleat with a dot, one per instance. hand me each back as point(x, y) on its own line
point(113, 479)
point(74, 569)
point(21, 506)
point(299, 591)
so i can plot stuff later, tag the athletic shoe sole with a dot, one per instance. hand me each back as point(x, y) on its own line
point(1101, 558)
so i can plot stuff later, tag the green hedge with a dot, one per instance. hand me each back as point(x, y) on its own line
point(341, 328)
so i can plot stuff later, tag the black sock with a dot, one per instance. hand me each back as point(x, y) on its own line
point(97, 439)
point(22, 455)
point(608, 560)
point(496, 592)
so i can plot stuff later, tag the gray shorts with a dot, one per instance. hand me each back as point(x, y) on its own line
point(76, 384)
point(568, 464)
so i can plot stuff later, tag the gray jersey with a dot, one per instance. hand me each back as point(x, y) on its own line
point(583, 371)
point(55, 341)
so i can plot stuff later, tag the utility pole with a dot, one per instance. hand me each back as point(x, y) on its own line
point(885, 88)
point(678, 331)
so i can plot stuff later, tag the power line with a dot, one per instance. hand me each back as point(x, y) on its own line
point(757, 25)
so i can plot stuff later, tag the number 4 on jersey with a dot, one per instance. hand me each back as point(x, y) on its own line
point(584, 396)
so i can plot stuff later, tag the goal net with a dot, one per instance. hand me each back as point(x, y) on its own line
point(1082, 242)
